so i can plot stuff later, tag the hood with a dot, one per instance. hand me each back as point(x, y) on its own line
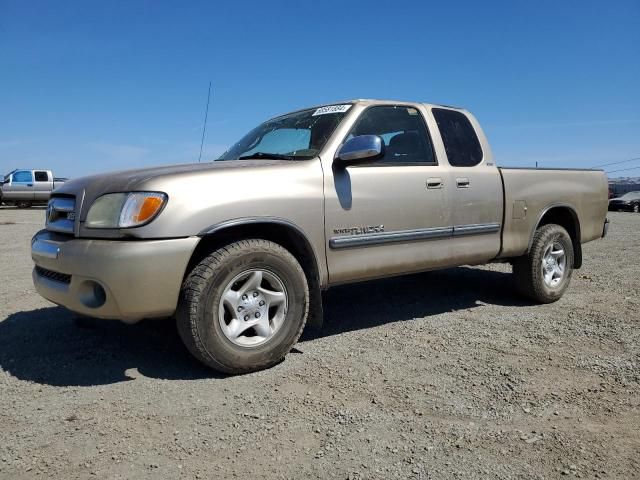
point(87, 189)
point(128, 180)
point(619, 200)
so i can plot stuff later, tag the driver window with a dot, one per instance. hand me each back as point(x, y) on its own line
point(23, 176)
point(405, 135)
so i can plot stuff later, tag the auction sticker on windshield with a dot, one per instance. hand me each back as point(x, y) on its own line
point(331, 109)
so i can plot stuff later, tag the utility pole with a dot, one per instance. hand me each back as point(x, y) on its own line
point(204, 127)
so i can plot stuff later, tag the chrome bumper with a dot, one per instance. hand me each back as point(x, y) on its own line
point(115, 279)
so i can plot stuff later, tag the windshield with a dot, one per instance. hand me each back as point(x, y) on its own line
point(296, 136)
point(631, 195)
point(7, 177)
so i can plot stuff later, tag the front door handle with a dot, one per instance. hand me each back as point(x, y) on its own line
point(434, 182)
point(462, 182)
point(29, 184)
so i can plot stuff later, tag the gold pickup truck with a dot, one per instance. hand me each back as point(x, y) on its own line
point(239, 249)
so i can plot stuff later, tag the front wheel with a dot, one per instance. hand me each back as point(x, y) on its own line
point(243, 306)
point(636, 208)
point(544, 274)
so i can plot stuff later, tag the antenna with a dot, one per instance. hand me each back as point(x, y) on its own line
point(204, 127)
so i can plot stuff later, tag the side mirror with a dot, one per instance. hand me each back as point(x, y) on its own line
point(360, 149)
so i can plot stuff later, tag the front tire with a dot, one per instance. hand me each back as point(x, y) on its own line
point(636, 208)
point(544, 274)
point(243, 307)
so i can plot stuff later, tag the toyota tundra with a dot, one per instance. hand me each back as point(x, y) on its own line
point(238, 250)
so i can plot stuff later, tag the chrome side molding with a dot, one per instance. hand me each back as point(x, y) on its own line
point(476, 229)
point(399, 236)
point(369, 239)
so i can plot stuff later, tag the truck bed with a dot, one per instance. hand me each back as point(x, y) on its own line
point(531, 192)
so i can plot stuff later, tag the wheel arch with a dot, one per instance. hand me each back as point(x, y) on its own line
point(565, 216)
point(278, 230)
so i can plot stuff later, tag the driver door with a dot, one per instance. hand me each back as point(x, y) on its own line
point(392, 215)
point(21, 187)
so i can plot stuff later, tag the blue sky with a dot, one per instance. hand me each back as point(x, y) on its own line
point(101, 85)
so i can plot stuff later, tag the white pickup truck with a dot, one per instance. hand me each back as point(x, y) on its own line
point(25, 188)
point(239, 249)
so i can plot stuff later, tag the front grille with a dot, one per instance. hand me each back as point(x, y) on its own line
point(61, 214)
point(55, 276)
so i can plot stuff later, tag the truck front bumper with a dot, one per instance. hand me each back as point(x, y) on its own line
point(114, 279)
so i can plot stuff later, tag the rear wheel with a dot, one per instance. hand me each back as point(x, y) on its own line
point(544, 274)
point(23, 204)
point(243, 306)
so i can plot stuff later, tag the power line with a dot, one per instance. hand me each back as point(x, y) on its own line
point(623, 170)
point(616, 163)
point(204, 127)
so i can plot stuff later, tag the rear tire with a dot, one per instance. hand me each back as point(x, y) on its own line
point(23, 204)
point(243, 307)
point(544, 273)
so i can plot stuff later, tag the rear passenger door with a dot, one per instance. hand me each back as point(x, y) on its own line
point(477, 189)
point(42, 186)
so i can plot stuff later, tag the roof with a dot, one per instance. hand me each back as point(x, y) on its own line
point(372, 101)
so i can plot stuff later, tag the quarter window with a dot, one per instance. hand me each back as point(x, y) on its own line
point(403, 131)
point(460, 139)
point(23, 176)
point(41, 176)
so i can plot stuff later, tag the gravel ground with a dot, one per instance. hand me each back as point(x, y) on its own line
point(440, 375)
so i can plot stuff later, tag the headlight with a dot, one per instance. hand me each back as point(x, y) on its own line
point(125, 210)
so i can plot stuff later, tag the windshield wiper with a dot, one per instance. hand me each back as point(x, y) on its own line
point(268, 156)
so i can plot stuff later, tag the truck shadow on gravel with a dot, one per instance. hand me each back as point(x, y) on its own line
point(56, 347)
point(53, 346)
point(409, 297)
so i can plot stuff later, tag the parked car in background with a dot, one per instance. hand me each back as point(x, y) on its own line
point(25, 188)
point(629, 202)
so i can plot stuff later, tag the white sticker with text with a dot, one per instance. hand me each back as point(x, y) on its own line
point(331, 109)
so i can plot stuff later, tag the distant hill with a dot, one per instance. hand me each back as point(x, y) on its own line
point(621, 185)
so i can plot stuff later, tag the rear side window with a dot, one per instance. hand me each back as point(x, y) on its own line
point(23, 176)
point(460, 139)
point(42, 177)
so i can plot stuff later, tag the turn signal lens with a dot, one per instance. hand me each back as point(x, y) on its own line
point(141, 207)
point(149, 208)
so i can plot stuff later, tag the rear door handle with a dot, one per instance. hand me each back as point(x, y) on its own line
point(462, 182)
point(434, 182)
